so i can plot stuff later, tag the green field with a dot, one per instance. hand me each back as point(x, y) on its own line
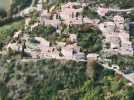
point(13, 24)
point(5, 4)
point(7, 30)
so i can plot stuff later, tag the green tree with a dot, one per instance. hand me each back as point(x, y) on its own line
point(90, 41)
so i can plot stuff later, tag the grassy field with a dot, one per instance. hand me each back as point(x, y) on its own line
point(6, 31)
point(13, 24)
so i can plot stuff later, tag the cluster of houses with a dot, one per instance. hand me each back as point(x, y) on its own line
point(116, 40)
point(40, 48)
point(58, 51)
point(69, 14)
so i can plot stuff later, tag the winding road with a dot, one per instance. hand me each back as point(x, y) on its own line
point(121, 10)
point(129, 77)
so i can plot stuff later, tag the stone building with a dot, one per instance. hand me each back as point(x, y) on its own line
point(116, 36)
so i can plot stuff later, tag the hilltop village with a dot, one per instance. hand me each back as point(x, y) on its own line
point(67, 50)
point(63, 23)
point(68, 16)
point(116, 38)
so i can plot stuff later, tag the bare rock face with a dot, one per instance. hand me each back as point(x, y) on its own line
point(90, 68)
point(93, 69)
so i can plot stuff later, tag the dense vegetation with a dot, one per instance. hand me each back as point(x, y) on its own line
point(118, 3)
point(44, 31)
point(90, 41)
point(2, 13)
point(125, 62)
point(58, 80)
point(90, 12)
point(17, 5)
point(6, 31)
